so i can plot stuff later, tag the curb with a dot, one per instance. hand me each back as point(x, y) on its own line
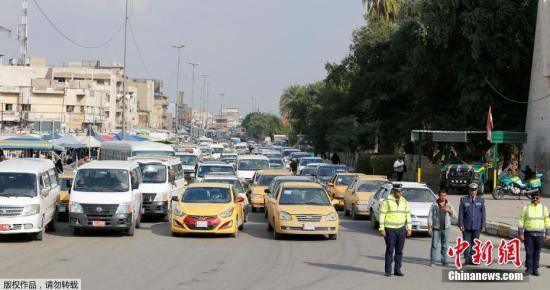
point(501, 230)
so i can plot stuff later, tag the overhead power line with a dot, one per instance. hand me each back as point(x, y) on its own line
point(64, 35)
point(139, 51)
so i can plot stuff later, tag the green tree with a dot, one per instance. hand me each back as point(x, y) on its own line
point(259, 125)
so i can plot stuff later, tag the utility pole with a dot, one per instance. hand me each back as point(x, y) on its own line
point(192, 95)
point(203, 101)
point(178, 47)
point(124, 73)
point(22, 33)
point(221, 106)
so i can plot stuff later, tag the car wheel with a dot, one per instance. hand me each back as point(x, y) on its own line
point(354, 213)
point(52, 225)
point(276, 235)
point(130, 232)
point(40, 235)
point(333, 237)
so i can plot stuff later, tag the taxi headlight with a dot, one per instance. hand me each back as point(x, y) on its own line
point(227, 213)
point(124, 208)
point(331, 217)
point(75, 207)
point(31, 209)
point(178, 212)
point(285, 216)
point(161, 197)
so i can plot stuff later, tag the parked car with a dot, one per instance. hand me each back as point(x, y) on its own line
point(29, 195)
point(212, 208)
point(106, 195)
point(357, 196)
point(419, 196)
point(302, 208)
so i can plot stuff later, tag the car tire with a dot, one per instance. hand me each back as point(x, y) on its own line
point(131, 231)
point(40, 235)
point(52, 225)
point(333, 237)
point(354, 213)
point(276, 235)
point(174, 234)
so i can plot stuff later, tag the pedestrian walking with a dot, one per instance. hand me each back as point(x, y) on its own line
point(439, 225)
point(335, 159)
point(533, 229)
point(395, 226)
point(399, 168)
point(294, 165)
point(471, 219)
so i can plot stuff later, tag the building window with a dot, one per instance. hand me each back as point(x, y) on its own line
point(70, 109)
point(106, 114)
point(26, 107)
point(8, 107)
point(82, 109)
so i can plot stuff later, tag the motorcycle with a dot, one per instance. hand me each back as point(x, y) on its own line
point(514, 186)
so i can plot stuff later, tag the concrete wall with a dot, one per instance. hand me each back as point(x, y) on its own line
point(537, 149)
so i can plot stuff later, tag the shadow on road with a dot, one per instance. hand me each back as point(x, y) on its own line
point(344, 268)
point(17, 238)
point(409, 260)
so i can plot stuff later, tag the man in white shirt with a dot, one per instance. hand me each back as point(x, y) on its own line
point(399, 168)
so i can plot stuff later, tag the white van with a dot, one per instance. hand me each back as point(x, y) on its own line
point(106, 195)
point(122, 150)
point(163, 177)
point(217, 151)
point(29, 194)
point(247, 165)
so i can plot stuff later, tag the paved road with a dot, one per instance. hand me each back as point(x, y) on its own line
point(153, 259)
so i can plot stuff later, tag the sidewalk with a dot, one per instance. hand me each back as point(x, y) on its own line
point(502, 215)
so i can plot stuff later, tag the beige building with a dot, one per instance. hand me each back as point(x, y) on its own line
point(233, 116)
point(79, 94)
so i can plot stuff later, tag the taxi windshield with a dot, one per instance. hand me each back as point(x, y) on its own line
point(370, 186)
point(206, 195)
point(304, 196)
point(344, 180)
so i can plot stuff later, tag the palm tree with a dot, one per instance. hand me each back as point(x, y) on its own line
point(384, 9)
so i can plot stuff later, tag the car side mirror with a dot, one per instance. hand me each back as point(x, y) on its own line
point(45, 192)
point(240, 199)
point(334, 202)
point(175, 198)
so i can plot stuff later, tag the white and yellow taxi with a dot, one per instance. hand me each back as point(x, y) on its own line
point(302, 208)
point(357, 196)
point(213, 208)
point(260, 182)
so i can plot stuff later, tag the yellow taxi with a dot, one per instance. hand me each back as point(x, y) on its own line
point(211, 208)
point(302, 208)
point(356, 197)
point(65, 182)
point(260, 182)
point(338, 185)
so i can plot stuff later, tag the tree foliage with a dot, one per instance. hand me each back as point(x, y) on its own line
point(259, 125)
point(435, 65)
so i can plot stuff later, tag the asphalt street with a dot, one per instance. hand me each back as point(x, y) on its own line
point(153, 259)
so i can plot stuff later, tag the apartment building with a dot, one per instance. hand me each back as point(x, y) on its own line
point(79, 94)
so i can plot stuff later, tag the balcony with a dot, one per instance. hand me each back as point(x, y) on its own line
point(47, 86)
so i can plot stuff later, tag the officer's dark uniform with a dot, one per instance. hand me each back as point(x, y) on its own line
point(471, 216)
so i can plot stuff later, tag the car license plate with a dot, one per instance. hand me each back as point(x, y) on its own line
point(98, 223)
point(4, 227)
point(62, 209)
point(308, 227)
point(202, 224)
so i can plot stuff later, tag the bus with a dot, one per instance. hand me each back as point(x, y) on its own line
point(121, 150)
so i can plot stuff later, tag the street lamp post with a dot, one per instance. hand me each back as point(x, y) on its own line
point(124, 73)
point(221, 106)
point(178, 47)
point(192, 94)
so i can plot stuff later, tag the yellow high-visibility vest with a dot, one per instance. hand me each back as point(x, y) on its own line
point(534, 218)
point(393, 215)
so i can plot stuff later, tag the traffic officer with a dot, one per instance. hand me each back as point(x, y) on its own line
point(471, 219)
point(533, 229)
point(395, 223)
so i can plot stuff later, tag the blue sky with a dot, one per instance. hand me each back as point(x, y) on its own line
point(248, 48)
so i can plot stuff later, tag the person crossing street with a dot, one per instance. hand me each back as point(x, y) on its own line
point(395, 226)
point(533, 229)
point(471, 219)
